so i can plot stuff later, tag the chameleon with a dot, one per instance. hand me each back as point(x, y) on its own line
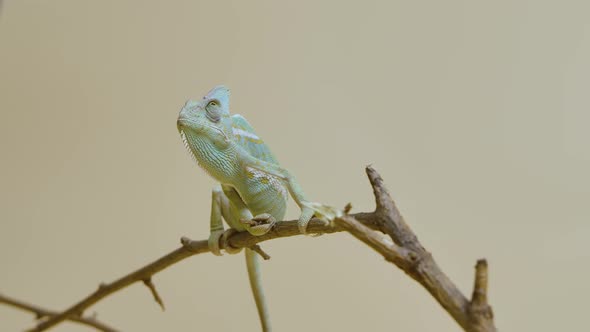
point(252, 190)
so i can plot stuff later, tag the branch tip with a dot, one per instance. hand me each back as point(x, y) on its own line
point(389, 218)
point(382, 197)
point(480, 287)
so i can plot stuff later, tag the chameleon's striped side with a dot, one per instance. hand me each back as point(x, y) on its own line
point(266, 193)
point(247, 138)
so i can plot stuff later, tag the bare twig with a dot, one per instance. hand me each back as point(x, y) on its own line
point(41, 313)
point(261, 252)
point(149, 284)
point(405, 251)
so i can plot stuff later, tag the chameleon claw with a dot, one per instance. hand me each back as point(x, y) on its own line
point(248, 222)
point(264, 218)
point(228, 248)
point(259, 224)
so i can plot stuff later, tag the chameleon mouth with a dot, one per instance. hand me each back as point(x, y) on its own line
point(186, 145)
point(181, 123)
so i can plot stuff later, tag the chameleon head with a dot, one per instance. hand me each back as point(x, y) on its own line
point(207, 119)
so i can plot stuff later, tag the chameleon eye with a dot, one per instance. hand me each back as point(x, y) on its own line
point(212, 111)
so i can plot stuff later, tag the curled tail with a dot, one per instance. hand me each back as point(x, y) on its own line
point(253, 264)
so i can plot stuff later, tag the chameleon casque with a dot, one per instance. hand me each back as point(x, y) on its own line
point(253, 189)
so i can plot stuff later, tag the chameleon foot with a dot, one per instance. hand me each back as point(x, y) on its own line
point(228, 248)
point(213, 242)
point(260, 224)
point(325, 213)
point(214, 238)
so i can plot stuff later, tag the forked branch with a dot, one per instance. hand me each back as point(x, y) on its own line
point(406, 252)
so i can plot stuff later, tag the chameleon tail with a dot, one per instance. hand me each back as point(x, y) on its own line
point(253, 264)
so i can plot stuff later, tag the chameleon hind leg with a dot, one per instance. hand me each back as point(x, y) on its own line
point(227, 203)
point(241, 218)
point(220, 207)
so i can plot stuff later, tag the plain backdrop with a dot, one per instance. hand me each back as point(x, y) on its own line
point(476, 113)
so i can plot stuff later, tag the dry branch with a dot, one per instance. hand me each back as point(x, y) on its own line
point(42, 313)
point(406, 252)
point(187, 249)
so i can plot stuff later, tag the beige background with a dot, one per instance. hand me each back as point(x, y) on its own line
point(475, 112)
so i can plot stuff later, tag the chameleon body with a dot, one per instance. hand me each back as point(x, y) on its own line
point(253, 188)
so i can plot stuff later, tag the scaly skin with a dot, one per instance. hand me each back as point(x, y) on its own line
point(252, 194)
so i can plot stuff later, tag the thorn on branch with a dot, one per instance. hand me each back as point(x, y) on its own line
point(185, 241)
point(347, 208)
point(149, 284)
point(261, 252)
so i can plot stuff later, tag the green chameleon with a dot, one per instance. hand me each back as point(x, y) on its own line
point(252, 191)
